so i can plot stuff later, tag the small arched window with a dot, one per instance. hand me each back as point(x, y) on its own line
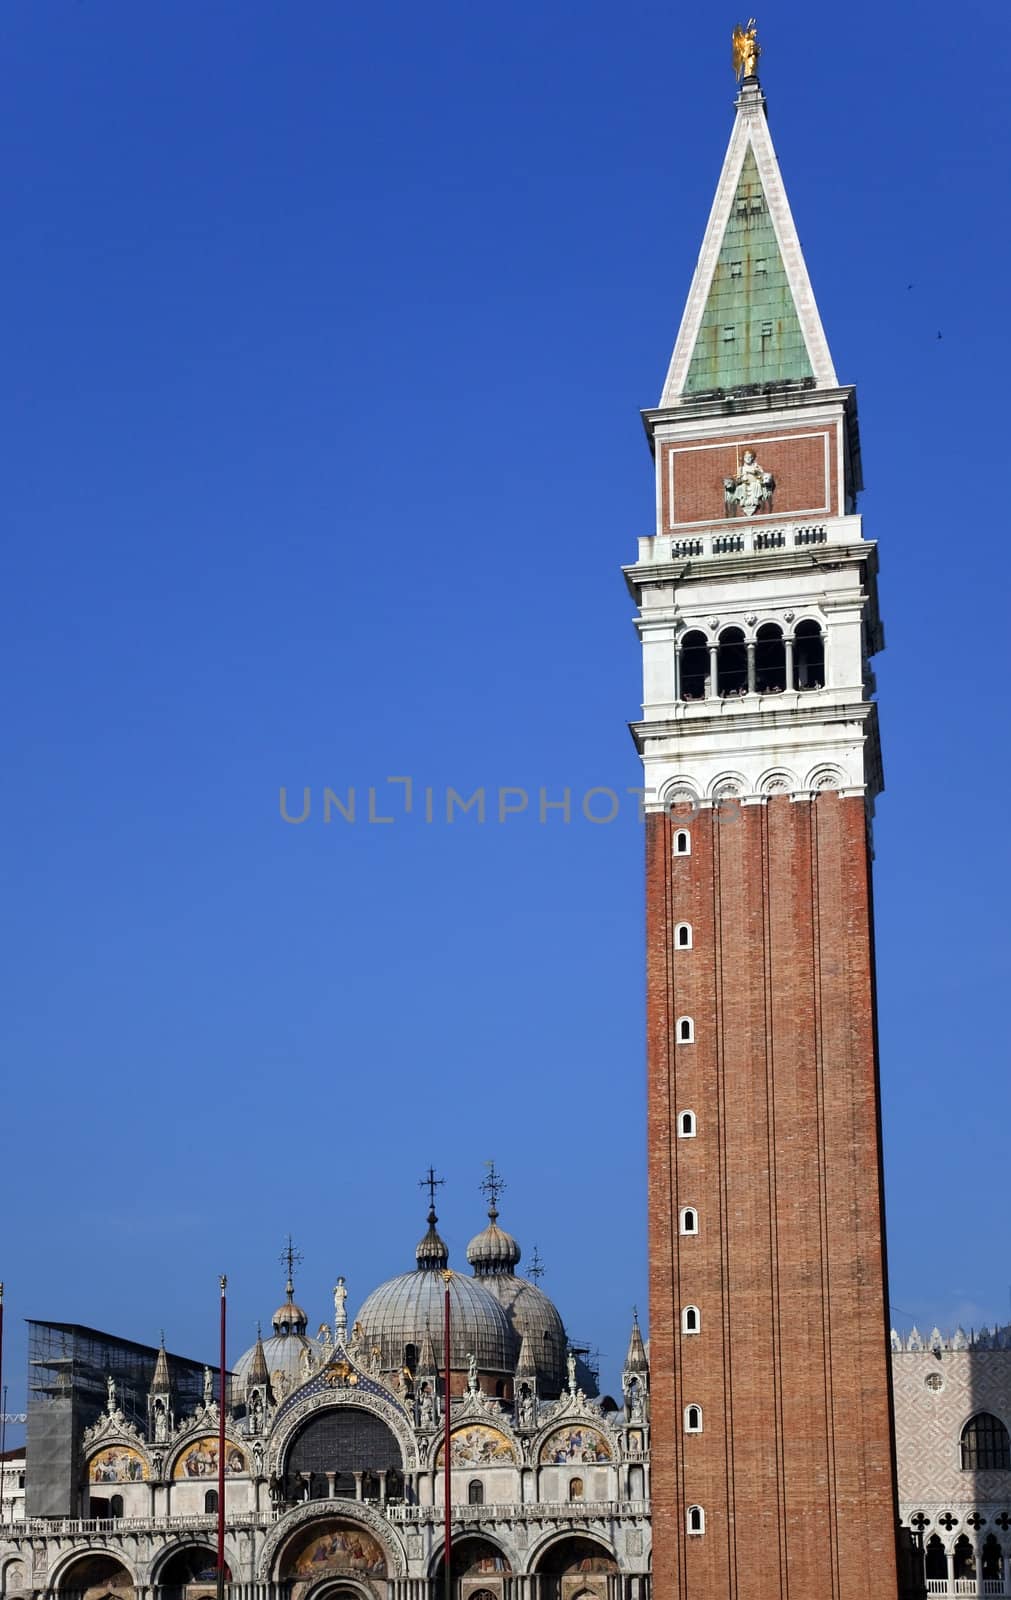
point(410, 1357)
point(683, 936)
point(210, 1502)
point(696, 1519)
point(575, 1489)
point(691, 1320)
point(809, 656)
point(116, 1506)
point(686, 1125)
point(693, 666)
point(770, 659)
point(689, 1220)
point(685, 1031)
point(693, 1419)
point(985, 1445)
point(682, 842)
point(731, 663)
point(475, 1492)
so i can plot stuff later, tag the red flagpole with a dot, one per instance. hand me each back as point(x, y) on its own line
point(447, 1492)
point(221, 1450)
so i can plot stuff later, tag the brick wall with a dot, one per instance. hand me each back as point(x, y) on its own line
point(797, 462)
point(794, 1466)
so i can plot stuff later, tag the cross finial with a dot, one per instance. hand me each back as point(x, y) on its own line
point(431, 1183)
point(291, 1257)
point(536, 1268)
point(491, 1187)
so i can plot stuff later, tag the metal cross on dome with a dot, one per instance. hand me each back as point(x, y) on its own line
point(492, 1185)
point(431, 1183)
point(290, 1257)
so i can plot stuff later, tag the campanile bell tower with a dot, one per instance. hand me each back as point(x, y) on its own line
point(773, 1471)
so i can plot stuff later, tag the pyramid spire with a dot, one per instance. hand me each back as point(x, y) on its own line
point(257, 1372)
point(161, 1383)
point(751, 317)
point(635, 1360)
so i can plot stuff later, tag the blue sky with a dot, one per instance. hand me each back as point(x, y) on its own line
point(327, 329)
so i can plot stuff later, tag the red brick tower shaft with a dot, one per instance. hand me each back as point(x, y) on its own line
point(772, 1456)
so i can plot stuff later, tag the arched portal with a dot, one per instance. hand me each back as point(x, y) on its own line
point(573, 1563)
point(95, 1576)
point(480, 1566)
point(189, 1573)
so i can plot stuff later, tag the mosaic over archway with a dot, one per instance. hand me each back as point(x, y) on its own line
point(117, 1463)
point(478, 1446)
point(574, 1444)
point(331, 1548)
point(200, 1460)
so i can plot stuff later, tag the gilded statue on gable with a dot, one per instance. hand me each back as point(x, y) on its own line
point(746, 50)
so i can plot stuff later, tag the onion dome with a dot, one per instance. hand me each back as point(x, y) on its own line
point(431, 1254)
point(493, 1250)
point(404, 1317)
point(534, 1319)
point(281, 1354)
point(289, 1318)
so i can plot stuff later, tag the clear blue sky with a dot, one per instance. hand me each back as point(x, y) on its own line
point(326, 331)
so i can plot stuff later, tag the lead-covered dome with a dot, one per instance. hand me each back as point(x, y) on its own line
point(396, 1317)
point(282, 1353)
point(494, 1254)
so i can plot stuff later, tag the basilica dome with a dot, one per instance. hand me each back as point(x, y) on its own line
point(282, 1353)
point(405, 1314)
point(494, 1255)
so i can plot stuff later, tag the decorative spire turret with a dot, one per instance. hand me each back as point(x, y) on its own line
point(259, 1398)
point(635, 1378)
point(160, 1414)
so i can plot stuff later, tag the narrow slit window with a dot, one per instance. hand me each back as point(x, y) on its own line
point(683, 936)
point(682, 842)
point(685, 1030)
point(696, 1518)
point(689, 1220)
point(693, 1419)
point(691, 1320)
point(687, 1126)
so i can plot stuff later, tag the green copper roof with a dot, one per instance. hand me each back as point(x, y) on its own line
point(750, 331)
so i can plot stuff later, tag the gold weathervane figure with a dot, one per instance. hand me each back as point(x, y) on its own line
point(746, 50)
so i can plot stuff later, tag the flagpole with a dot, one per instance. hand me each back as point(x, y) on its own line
point(447, 1493)
point(221, 1450)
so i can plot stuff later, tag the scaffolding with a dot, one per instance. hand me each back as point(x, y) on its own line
point(69, 1368)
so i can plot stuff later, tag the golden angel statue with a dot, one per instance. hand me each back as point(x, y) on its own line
point(746, 50)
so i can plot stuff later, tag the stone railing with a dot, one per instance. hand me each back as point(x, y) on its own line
point(960, 1586)
point(573, 1511)
point(735, 539)
point(54, 1526)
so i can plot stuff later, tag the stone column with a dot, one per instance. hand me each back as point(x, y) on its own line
point(788, 650)
point(751, 665)
point(713, 672)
